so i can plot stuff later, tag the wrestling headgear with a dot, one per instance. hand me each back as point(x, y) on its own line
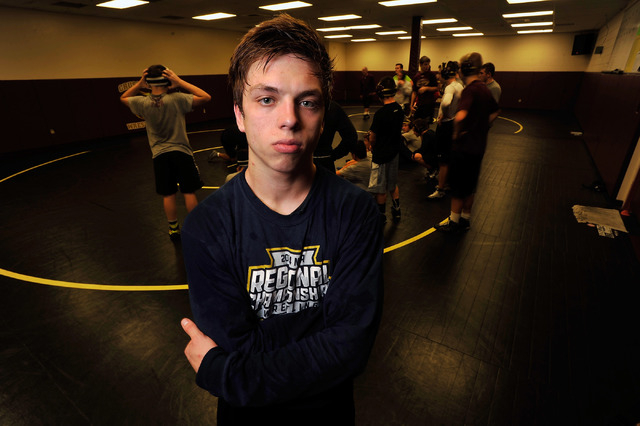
point(154, 76)
point(386, 87)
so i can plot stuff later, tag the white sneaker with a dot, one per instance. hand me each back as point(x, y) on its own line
point(438, 193)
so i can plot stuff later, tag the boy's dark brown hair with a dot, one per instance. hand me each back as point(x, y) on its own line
point(470, 64)
point(281, 35)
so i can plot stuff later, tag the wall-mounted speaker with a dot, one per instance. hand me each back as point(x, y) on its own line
point(583, 44)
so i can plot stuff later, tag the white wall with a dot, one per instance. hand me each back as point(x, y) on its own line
point(618, 37)
point(37, 45)
point(542, 52)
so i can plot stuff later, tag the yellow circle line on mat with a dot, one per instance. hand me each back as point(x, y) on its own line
point(513, 121)
point(409, 241)
point(167, 287)
point(84, 286)
point(43, 164)
point(205, 131)
point(106, 287)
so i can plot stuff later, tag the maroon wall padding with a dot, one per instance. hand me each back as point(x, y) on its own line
point(347, 87)
point(608, 109)
point(40, 113)
point(555, 91)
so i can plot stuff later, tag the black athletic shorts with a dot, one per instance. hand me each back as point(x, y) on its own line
point(173, 168)
point(464, 171)
point(444, 136)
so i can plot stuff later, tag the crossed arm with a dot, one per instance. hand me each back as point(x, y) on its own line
point(251, 363)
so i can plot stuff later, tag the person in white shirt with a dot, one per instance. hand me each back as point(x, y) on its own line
point(444, 131)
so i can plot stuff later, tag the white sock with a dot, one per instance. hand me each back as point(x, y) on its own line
point(455, 217)
point(465, 215)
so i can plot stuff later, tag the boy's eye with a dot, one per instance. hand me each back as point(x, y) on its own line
point(266, 101)
point(309, 104)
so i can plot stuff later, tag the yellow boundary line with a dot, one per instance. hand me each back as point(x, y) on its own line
point(43, 164)
point(106, 287)
point(85, 286)
point(513, 121)
point(409, 241)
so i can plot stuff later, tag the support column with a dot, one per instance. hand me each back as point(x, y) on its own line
point(414, 53)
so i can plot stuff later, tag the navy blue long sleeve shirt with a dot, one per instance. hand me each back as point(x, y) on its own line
point(293, 301)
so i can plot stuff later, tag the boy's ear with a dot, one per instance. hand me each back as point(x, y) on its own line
point(239, 117)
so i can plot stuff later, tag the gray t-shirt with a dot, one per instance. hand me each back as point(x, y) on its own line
point(496, 90)
point(165, 122)
point(358, 172)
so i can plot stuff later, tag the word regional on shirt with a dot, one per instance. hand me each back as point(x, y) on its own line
point(295, 280)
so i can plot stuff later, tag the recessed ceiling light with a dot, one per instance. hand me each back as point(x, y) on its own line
point(532, 24)
point(404, 2)
point(332, 29)
point(364, 27)
point(286, 6)
point(340, 17)
point(213, 16)
point(339, 36)
point(357, 40)
point(122, 4)
point(526, 14)
point(548, 30)
point(391, 32)
point(468, 34)
point(454, 29)
point(408, 37)
point(354, 27)
point(439, 21)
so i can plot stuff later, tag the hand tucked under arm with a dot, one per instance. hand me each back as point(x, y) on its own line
point(199, 344)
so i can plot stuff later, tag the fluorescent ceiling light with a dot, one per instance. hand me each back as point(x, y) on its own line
point(548, 30)
point(532, 24)
point(439, 21)
point(340, 17)
point(213, 16)
point(353, 27)
point(332, 29)
point(408, 37)
point(454, 29)
point(364, 27)
point(358, 40)
point(390, 32)
point(468, 34)
point(339, 36)
point(286, 6)
point(526, 14)
point(522, 1)
point(404, 2)
point(122, 4)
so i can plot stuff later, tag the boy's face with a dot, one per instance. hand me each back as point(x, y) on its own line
point(283, 112)
point(483, 75)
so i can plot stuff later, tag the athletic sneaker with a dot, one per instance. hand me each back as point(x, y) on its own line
point(465, 225)
point(438, 193)
point(174, 234)
point(396, 214)
point(449, 227)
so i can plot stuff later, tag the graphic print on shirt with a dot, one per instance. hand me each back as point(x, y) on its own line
point(295, 280)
